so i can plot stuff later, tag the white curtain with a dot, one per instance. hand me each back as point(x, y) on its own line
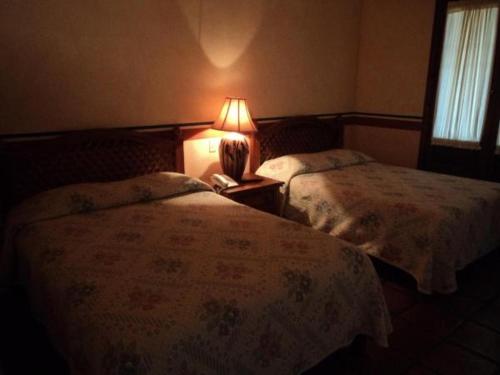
point(465, 75)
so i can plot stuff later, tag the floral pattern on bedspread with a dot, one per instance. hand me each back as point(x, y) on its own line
point(427, 224)
point(190, 284)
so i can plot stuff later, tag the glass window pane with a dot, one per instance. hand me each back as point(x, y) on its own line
point(465, 76)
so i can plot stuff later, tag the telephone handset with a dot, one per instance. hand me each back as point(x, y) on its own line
point(223, 181)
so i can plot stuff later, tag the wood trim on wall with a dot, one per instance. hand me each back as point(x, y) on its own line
point(201, 129)
point(403, 122)
point(440, 12)
point(203, 125)
point(384, 121)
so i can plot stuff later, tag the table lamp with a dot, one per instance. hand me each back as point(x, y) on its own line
point(234, 118)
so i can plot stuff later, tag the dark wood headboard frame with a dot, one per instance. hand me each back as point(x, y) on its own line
point(297, 135)
point(31, 166)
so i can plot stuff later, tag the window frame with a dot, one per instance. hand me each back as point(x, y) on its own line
point(490, 130)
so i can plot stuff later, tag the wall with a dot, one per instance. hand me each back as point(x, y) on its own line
point(394, 47)
point(68, 65)
point(390, 146)
point(90, 64)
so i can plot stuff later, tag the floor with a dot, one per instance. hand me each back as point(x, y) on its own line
point(456, 334)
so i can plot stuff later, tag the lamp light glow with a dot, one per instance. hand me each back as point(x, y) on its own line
point(235, 117)
point(234, 136)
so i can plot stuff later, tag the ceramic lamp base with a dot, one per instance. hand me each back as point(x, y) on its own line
point(233, 155)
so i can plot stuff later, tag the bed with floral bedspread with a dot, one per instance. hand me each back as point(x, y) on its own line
point(159, 275)
point(430, 225)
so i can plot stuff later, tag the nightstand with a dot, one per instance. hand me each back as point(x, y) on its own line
point(258, 192)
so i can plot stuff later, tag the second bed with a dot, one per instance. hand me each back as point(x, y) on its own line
point(429, 225)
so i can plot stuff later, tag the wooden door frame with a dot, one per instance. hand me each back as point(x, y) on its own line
point(438, 29)
point(491, 126)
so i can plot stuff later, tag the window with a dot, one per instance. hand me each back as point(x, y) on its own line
point(465, 73)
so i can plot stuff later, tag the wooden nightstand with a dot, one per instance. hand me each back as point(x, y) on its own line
point(262, 194)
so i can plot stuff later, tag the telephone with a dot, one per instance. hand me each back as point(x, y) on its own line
point(223, 181)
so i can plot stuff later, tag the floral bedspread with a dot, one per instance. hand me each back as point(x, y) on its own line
point(159, 275)
point(428, 224)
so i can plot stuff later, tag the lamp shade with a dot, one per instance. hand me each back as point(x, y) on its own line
point(235, 117)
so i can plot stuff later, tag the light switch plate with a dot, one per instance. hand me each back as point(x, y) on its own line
point(212, 145)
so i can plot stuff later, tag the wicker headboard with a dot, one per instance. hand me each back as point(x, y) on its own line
point(298, 135)
point(29, 167)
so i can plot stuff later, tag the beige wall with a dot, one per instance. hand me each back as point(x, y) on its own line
point(77, 64)
point(88, 64)
point(389, 146)
point(394, 47)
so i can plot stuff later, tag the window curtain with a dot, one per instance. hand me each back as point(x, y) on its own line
point(465, 74)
